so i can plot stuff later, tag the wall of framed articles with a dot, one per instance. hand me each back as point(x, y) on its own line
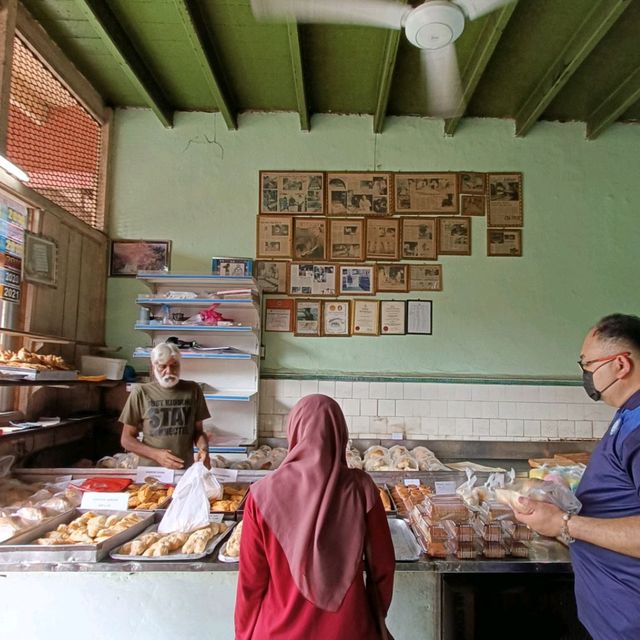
point(327, 242)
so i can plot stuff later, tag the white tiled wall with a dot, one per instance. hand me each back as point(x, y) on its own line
point(444, 410)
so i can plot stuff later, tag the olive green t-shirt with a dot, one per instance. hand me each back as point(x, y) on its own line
point(166, 417)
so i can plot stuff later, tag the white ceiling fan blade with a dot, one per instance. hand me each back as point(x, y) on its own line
point(476, 8)
point(375, 13)
point(444, 87)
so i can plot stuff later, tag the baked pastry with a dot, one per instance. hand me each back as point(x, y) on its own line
point(385, 500)
point(232, 548)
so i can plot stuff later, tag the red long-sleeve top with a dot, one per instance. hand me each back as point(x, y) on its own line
point(269, 605)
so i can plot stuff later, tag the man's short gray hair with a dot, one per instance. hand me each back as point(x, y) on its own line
point(163, 352)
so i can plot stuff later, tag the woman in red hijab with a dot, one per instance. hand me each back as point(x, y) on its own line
point(304, 531)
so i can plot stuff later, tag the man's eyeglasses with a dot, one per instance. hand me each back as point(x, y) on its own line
point(588, 363)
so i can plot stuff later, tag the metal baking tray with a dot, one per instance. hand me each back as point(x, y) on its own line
point(394, 509)
point(222, 553)
point(211, 545)
point(26, 551)
point(237, 514)
point(405, 546)
point(38, 529)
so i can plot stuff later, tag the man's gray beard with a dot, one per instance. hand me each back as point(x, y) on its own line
point(168, 381)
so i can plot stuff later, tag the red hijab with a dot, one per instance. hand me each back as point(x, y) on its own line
point(315, 505)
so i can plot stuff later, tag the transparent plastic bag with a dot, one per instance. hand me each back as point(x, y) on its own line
point(189, 508)
point(540, 490)
point(6, 462)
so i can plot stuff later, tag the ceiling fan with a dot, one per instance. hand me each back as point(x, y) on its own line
point(432, 26)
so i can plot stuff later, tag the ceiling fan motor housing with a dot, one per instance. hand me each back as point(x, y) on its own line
point(434, 24)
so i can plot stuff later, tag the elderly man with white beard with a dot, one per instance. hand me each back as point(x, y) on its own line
point(169, 412)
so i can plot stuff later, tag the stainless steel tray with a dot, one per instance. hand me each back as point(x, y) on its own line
point(404, 542)
point(222, 553)
point(211, 545)
point(393, 511)
point(26, 551)
point(38, 529)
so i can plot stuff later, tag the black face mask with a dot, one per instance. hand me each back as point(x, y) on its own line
point(590, 387)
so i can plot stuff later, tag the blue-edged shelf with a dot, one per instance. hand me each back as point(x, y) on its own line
point(232, 396)
point(239, 449)
point(196, 302)
point(164, 278)
point(188, 355)
point(192, 327)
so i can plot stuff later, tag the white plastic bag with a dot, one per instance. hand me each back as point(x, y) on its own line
point(189, 508)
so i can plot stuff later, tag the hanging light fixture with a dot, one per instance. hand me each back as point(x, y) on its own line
point(14, 170)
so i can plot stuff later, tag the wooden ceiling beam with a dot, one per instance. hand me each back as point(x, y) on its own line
point(298, 75)
point(594, 27)
point(614, 105)
point(386, 79)
point(116, 40)
point(485, 45)
point(202, 46)
point(8, 13)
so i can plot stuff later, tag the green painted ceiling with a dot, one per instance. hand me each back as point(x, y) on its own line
point(342, 66)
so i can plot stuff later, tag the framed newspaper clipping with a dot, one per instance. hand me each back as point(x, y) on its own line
point(392, 277)
point(454, 236)
point(505, 200)
point(357, 280)
point(425, 277)
point(504, 242)
point(426, 193)
point(312, 279)
point(272, 275)
point(307, 318)
point(346, 239)
point(291, 192)
point(274, 236)
point(472, 182)
point(419, 239)
point(359, 194)
point(309, 238)
point(383, 239)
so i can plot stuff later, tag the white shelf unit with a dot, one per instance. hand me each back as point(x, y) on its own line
point(229, 378)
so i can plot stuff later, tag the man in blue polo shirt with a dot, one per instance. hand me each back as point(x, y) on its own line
point(605, 536)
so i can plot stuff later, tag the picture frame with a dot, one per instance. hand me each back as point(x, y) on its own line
point(232, 267)
point(291, 192)
point(309, 238)
point(346, 239)
point(472, 205)
point(425, 277)
point(472, 182)
point(308, 315)
point(419, 239)
point(127, 257)
point(392, 277)
point(454, 236)
point(505, 243)
point(39, 265)
point(272, 275)
point(274, 236)
point(504, 207)
point(365, 319)
point(434, 193)
point(278, 315)
point(313, 279)
point(357, 280)
point(359, 194)
point(336, 316)
point(419, 317)
point(393, 318)
point(383, 239)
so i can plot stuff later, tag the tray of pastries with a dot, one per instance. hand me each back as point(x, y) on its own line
point(150, 495)
point(80, 536)
point(387, 500)
point(35, 366)
point(232, 499)
point(230, 550)
point(154, 546)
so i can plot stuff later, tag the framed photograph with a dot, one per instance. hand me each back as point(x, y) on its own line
point(365, 319)
point(236, 267)
point(278, 315)
point(392, 277)
point(274, 237)
point(307, 321)
point(291, 192)
point(472, 205)
point(419, 239)
point(335, 317)
point(419, 317)
point(383, 239)
point(425, 277)
point(346, 239)
point(504, 208)
point(354, 194)
point(272, 275)
point(392, 318)
point(504, 242)
point(312, 279)
point(130, 256)
point(357, 280)
point(470, 182)
point(309, 238)
point(426, 193)
point(454, 236)
point(39, 264)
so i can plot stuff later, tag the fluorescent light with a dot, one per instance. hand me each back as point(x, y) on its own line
point(11, 168)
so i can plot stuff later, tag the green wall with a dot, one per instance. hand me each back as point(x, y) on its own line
point(197, 185)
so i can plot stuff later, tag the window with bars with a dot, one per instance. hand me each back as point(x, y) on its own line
point(53, 138)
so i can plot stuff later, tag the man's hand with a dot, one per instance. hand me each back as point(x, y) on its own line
point(543, 517)
point(165, 458)
point(203, 456)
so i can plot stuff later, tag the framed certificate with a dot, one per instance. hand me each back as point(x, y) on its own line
point(419, 317)
point(365, 318)
point(278, 315)
point(392, 318)
point(335, 317)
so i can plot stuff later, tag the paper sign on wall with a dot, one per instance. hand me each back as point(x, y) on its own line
point(445, 488)
point(102, 500)
point(225, 475)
